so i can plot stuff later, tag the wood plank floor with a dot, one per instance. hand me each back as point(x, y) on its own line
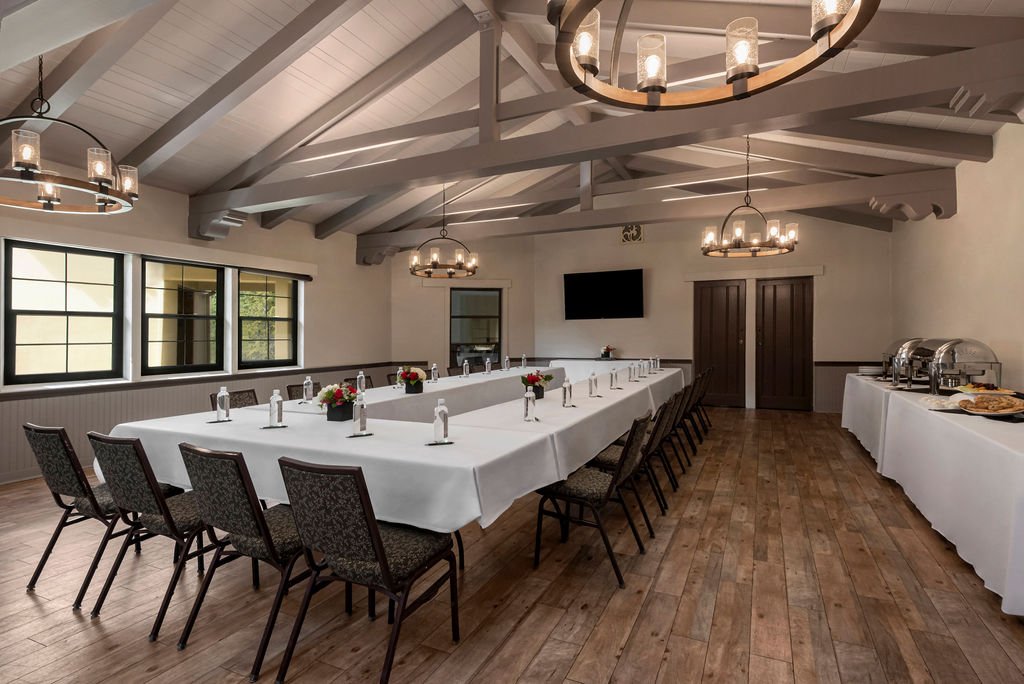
point(784, 558)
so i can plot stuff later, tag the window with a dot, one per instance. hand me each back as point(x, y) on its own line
point(475, 326)
point(267, 320)
point(63, 313)
point(182, 317)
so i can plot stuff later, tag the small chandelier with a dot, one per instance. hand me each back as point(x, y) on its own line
point(435, 261)
point(736, 243)
point(109, 188)
point(834, 26)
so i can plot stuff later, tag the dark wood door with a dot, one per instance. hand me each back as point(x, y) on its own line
point(719, 329)
point(785, 324)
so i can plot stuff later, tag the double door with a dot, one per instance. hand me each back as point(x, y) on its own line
point(783, 357)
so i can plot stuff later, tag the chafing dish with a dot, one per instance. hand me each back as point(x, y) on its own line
point(901, 360)
point(890, 353)
point(963, 360)
point(921, 357)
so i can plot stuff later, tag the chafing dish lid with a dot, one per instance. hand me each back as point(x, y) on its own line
point(925, 351)
point(965, 350)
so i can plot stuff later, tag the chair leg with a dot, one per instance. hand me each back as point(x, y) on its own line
point(371, 604)
point(700, 419)
point(128, 539)
point(632, 525)
point(540, 527)
point(95, 563)
point(255, 574)
point(675, 452)
point(389, 658)
point(293, 639)
point(453, 584)
point(202, 554)
point(704, 412)
point(462, 551)
point(689, 437)
point(696, 428)
point(682, 446)
point(138, 544)
point(659, 494)
point(275, 608)
point(200, 597)
point(175, 576)
point(608, 548)
point(669, 473)
point(348, 598)
point(640, 505)
point(49, 548)
point(391, 611)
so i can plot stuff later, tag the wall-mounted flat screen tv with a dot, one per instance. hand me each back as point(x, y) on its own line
point(604, 294)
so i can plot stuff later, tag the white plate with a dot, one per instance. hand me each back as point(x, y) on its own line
point(993, 415)
point(978, 393)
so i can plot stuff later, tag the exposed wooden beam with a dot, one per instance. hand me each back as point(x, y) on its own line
point(938, 185)
point(91, 59)
point(860, 93)
point(995, 117)
point(490, 92)
point(35, 28)
point(438, 40)
point(817, 157)
point(298, 37)
point(909, 33)
point(913, 139)
point(841, 215)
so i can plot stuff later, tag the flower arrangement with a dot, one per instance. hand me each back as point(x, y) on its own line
point(337, 394)
point(606, 351)
point(536, 379)
point(411, 376)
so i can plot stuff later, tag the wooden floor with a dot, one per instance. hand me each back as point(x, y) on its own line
point(784, 557)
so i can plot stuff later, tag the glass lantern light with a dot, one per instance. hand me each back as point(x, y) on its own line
point(48, 192)
point(793, 232)
point(414, 259)
point(474, 262)
point(650, 63)
point(826, 15)
point(435, 256)
point(741, 49)
point(460, 256)
point(24, 150)
point(99, 165)
point(129, 180)
point(773, 229)
point(586, 46)
point(710, 235)
point(737, 230)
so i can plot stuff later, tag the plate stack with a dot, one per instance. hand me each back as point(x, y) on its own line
point(870, 371)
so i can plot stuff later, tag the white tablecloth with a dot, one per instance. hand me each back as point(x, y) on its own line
point(864, 408)
point(441, 488)
point(580, 369)
point(578, 434)
point(966, 476)
point(459, 394)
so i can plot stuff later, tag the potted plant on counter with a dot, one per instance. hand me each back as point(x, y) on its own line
point(607, 351)
point(413, 379)
point(537, 381)
point(338, 399)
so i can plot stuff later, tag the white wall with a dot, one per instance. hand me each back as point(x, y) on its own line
point(964, 277)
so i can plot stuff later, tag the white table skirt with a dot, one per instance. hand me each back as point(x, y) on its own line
point(441, 488)
point(966, 476)
point(865, 402)
point(459, 394)
point(580, 369)
point(578, 434)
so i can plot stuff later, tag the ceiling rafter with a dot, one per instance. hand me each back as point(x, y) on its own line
point(913, 139)
point(90, 60)
point(898, 86)
point(296, 38)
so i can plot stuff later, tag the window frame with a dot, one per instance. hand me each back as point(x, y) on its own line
point(500, 316)
point(293, 360)
point(10, 376)
point(218, 364)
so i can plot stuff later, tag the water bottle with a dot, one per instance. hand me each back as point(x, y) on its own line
point(465, 368)
point(487, 366)
point(592, 384)
point(529, 405)
point(523, 361)
point(566, 394)
point(433, 373)
point(359, 414)
point(223, 404)
point(307, 390)
point(398, 378)
point(506, 364)
point(276, 409)
point(441, 422)
point(657, 363)
point(611, 379)
point(360, 382)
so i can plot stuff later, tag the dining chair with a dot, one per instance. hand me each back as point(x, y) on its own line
point(239, 399)
point(147, 512)
point(335, 518)
point(295, 391)
point(63, 474)
point(227, 501)
point(703, 392)
point(592, 489)
point(352, 381)
point(454, 371)
point(392, 378)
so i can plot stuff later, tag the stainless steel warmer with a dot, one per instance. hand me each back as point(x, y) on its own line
point(901, 360)
point(963, 360)
point(921, 357)
point(890, 353)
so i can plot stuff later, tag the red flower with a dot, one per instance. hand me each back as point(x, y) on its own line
point(351, 389)
point(338, 394)
point(533, 378)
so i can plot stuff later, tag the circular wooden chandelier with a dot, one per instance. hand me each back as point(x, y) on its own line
point(834, 25)
point(443, 257)
point(109, 189)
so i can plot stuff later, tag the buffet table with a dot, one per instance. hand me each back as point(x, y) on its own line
point(459, 394)
point(966, 476)
point(865, 402)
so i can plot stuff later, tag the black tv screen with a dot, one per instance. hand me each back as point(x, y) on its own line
point(604, 294)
